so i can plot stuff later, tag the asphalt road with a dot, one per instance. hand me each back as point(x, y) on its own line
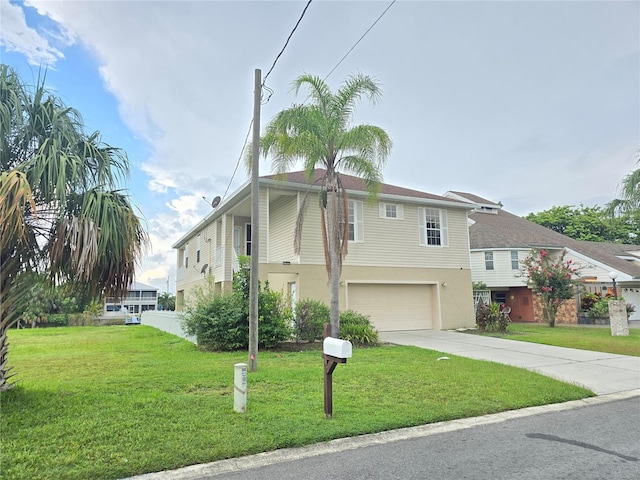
point(599, 442)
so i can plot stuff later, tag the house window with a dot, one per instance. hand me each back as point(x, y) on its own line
point(198, 249)
point(488, 260)
point(391, 210)
point(356, 228)
point(500, 297)
point(186, 255)
point(247, 229)
point(433, 227)
point(515, 263)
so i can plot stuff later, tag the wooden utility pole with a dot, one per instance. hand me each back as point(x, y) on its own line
point(255, 224)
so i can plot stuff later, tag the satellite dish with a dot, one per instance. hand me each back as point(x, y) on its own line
point(204, 268)
point(215, 202)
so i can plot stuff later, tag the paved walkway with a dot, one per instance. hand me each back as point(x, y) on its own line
point(603, 373)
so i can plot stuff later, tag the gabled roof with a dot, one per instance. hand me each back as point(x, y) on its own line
point(508, 231)
point(356, 184)
point(472, 198)
point(298, 181)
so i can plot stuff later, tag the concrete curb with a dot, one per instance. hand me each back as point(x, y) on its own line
point(342, 444)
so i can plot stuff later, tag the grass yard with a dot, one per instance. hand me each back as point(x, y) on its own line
point(597, 339)
point(112, 402)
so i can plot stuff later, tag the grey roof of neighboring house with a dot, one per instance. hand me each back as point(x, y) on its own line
point(474, 198)
point(506, 230)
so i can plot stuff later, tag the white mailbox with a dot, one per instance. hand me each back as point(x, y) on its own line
point(337, 348)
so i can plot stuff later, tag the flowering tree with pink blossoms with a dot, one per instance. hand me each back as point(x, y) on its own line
point(553, 278)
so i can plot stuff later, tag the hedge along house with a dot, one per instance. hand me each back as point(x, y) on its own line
point(500, 241)
point(408, 256)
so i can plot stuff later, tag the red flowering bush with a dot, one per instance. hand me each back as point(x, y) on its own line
point(553, 278)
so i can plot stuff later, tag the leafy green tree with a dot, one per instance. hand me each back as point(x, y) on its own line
point(593, 224)
point(320, 135)
point(166, 301)
point(553, 278)
point(60, 209)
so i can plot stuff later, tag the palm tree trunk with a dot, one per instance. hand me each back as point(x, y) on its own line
point(334, 262)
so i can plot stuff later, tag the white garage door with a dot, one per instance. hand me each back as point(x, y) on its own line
point(393, 306)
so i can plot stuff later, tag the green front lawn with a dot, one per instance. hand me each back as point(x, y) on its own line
point(583, 337)
point(111, 402)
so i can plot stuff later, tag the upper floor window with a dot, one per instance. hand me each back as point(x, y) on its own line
point(488, 260)
point(515, 262)
point(198, 249)
point(186, 255)
point(391, 210)
point(433, 227)
point(356, 224)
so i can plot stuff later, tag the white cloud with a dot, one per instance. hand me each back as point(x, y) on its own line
point(476, 98)
point(17, 36)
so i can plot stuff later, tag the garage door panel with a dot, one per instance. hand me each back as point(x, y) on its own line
point(393, 306)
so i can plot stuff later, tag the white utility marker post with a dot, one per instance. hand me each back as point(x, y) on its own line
point(240, 387)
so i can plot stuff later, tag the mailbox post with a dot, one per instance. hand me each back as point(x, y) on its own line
point(334, 351)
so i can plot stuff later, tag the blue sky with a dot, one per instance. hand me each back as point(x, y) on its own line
point(533, 104)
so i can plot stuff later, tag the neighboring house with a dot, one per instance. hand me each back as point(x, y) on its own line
point(407, 266)
point(500, 240)
point(140, 298)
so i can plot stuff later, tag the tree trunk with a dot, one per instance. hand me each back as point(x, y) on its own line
point(550, 315)
point(334, 262)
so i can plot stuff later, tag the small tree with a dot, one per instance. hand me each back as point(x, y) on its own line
point(553, 278)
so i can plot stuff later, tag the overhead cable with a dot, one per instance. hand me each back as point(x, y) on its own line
point(363, 35)
point(287, 42)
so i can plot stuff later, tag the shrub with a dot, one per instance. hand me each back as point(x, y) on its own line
point(483, 316)
point(357, 328)
point(274, 318)
point(219, 324)
point(599, 310)
point(221, 321)
point(490, 318)
point(588, 300)
point(309, 320)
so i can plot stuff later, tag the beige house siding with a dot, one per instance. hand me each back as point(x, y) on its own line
point(282, 225)
point(395, 242)
point(391, 242)
point(312, 251)
point(453, 303)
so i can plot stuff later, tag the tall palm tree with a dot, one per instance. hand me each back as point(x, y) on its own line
point(319, 135)
point(630, 194)
point(60, 211)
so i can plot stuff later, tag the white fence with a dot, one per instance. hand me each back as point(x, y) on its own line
point(167, 322)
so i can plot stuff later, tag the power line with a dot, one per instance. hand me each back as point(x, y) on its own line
point(244, 145)
point(360, 39)
point(246, 139)
point(287, 42)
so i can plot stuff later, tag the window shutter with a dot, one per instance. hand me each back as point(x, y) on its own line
point(444, 228)
point(359, 223)
point(422, 227)
point(399, 212)
point(382, 210)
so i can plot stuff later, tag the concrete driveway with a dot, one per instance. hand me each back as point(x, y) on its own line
point(602, 373)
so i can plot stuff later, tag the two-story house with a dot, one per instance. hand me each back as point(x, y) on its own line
point(408, 254)
point(500, 240)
